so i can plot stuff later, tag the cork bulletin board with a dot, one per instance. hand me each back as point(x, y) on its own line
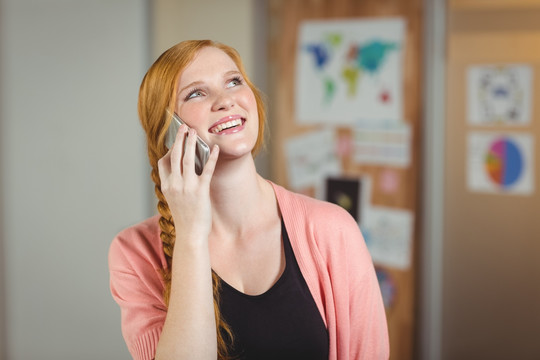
point(394, 185)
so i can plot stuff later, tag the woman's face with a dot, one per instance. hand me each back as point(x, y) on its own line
point(214, 99)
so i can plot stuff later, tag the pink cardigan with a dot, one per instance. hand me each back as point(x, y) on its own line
point(330, 251)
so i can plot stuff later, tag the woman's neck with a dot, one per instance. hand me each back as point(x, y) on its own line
point(241, 198)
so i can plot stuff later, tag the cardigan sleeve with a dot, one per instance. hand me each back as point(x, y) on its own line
point(135, 265)
point(368, 324)
point(359, 307)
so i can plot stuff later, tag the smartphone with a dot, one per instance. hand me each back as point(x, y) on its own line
point(202, 150)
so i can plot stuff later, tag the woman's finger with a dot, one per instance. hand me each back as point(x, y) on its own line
point(164, 165)
point(177, 151)
point(188, 161)
point(208, 170)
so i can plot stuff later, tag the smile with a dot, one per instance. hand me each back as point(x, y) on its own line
point(227, 125)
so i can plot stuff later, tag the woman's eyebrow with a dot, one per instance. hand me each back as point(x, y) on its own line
point(190, 85)
point(231, 72)
point(198, 82)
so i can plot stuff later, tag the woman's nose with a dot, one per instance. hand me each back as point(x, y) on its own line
point(223, 101)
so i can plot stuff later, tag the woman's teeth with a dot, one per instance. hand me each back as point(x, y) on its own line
point(227, 125)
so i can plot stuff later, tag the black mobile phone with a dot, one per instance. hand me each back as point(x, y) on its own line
point(202, 151)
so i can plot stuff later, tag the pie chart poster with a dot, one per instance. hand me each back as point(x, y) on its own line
point(500, 163)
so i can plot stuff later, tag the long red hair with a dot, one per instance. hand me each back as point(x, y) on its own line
point(157, 95)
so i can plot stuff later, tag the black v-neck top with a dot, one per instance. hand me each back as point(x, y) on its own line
point(282, 323)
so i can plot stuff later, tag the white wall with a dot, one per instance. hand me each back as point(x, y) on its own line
point(73, 170)
point(231, 22)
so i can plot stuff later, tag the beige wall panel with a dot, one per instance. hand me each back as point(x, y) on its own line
point(231, 22)
point(491, 242)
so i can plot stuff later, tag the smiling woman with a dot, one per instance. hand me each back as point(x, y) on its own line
point(234, 265)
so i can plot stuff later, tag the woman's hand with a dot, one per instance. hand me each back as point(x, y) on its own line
point(187, 193)
point(190, 326)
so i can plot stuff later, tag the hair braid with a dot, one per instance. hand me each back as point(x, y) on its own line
point(168, 235)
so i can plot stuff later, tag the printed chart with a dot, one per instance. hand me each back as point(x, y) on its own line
point(499, 95)
point(500, 163)
point(504, 162)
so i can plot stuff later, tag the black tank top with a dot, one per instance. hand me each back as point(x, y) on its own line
point(282, 323)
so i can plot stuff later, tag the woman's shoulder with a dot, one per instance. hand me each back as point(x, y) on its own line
point(311, 208)
point(321, 224)
point(138, 245)
point(324, 225)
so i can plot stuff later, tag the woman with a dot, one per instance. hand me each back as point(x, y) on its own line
point(235, 266)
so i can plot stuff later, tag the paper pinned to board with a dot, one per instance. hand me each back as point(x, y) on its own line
point(349, 69)
point(499, 94)
point(382, 143)
point(311, 158)
point(388, 233)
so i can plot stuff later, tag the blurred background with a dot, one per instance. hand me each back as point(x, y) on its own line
point(74, 172)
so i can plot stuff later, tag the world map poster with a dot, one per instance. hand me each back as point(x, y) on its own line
point(349, 70)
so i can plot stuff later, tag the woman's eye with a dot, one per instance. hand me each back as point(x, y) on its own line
point(194, 94)
point(234, 82)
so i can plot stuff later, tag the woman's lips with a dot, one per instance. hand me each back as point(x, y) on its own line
point(227, 125)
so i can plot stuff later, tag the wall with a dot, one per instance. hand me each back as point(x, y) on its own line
point(490, 264)
point(73, 170)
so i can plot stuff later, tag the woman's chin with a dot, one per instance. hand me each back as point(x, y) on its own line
point(232, 153)
point(236, 148)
